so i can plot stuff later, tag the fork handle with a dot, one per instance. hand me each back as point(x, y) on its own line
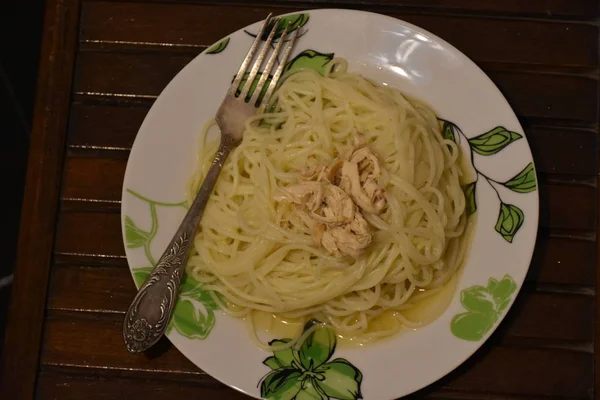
point(150, 311)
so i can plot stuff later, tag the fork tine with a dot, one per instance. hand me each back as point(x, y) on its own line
point(279, 70)
point(269, 66)
point(259, 60)
point(240, 74)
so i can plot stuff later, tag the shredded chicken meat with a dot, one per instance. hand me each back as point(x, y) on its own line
point(330, 199)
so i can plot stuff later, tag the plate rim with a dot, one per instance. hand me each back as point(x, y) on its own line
point(398, 21)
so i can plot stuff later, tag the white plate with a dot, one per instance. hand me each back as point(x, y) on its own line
point(420, 64)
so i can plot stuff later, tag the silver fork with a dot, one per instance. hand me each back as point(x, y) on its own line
point(150, 311)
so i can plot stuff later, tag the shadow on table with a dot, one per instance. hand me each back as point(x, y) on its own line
point(20, 37)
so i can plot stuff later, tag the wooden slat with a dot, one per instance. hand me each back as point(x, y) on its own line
point(535, 315)
point(93, 178)
point(549, 96)
point(52, 385)
point(579, 9)
point(558, 260)
point(542, 317)
point(564, 151)
point(67, 383)
point(140, 74)
point(500, 369)
point(86, 288)
point(568, 207)
point(499, 40)
point(102, 126)
point(96, 233)
point(535, 95)
point(94, 341)
point(40, 204)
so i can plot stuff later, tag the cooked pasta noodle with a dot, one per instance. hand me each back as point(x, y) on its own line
point(258, 256)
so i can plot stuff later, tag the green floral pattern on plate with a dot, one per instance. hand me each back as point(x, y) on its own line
point(194, 312)
point(136, 237)
point(309, 59)
point(218, 47)
point(484, 305)
point(510, 218)
point(307, 373)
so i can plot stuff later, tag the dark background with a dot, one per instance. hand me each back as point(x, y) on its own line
point(20, 37)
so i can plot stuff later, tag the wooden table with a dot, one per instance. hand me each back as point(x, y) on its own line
point(103, 64)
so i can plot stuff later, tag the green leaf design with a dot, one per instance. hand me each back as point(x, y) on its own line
point(218, 47)
point(472, 326)
point(309, 59)
point(311, 391)
point(281, 384)
point(140, 275)
point(342, 380)
point(502, 293)
point(306, 374)
point(192, 289)
point(448, 131)
point(492, 285)
point(189, 320)
point(253, 85)
point(484, 306)
point(317, 348)
point(284, 357)
point(509, 222)
point(477, 299)
point(135, 236)
point(272, 362)
point(296, 21)
point(193, 315)
point(524, 181)
point(469, 191)
point(493, 141)
point(511, 217)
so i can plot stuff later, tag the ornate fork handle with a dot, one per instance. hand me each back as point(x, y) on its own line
point(150, 311)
